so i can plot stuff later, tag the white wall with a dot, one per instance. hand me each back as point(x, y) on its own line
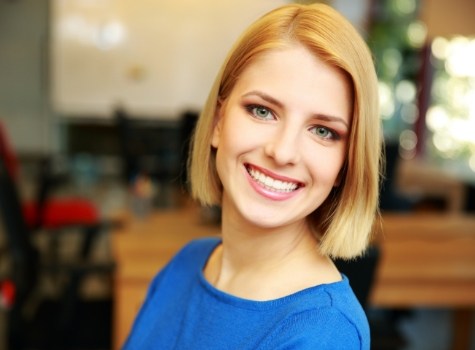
point(154, 57)
point(24, 107)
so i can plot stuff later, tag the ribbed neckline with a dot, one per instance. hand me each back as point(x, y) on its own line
point(249, 304)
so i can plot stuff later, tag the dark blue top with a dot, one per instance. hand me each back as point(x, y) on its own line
point(183, 311)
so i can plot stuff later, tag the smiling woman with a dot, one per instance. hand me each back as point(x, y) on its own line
point(288, 144)
point(344, 230)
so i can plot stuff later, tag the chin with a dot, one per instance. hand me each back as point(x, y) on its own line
point(271, 221)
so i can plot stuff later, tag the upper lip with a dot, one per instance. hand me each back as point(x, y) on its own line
point(274, 175)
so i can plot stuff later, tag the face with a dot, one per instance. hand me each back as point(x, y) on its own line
point(281, 138)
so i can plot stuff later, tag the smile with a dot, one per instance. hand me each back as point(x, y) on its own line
point(270, 183)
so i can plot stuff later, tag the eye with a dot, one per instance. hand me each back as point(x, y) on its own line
point(260, 112)
point(324, 132)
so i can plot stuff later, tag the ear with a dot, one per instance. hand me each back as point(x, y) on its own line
point(337, 180)
point(218, 121)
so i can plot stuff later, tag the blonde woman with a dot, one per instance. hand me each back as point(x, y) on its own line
point(288, 145)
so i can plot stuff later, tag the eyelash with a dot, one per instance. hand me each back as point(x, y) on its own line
point(252, 107)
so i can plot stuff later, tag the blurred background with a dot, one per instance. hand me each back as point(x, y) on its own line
point(98, 99)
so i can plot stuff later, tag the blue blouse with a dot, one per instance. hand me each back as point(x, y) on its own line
point(183, 311)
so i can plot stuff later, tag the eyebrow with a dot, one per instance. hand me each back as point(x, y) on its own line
point(270, 99)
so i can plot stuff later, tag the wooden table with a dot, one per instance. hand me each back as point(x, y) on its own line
point(426, 261)
point(417, 178)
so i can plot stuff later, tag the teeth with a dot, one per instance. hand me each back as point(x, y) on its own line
point(270, 183)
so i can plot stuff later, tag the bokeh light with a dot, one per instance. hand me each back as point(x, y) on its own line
point(439, 48)
point(406, 91)
point(416, 34)
point(386, 100)
point(404, 7)
point(451, 117)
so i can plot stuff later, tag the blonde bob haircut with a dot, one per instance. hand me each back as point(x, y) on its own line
point(344, 222)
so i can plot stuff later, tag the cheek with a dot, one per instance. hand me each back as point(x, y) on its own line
point(326, 166)
point(227, 141)
point(237, 134)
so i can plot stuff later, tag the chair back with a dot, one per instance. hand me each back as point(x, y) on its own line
point(22, 253)
point(149, 147)
point(361, 273)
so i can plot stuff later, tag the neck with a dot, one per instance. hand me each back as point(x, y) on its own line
point(247, 246)
point(265, 263)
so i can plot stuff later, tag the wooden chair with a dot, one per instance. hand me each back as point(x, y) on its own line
point(28, 268)
point(51, 214)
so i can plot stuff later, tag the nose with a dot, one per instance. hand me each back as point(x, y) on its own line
point(283, 145)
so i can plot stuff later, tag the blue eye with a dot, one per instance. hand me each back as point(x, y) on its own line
point(324, 133)
point(260, 112)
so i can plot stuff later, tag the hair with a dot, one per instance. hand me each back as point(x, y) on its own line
point(344, 222)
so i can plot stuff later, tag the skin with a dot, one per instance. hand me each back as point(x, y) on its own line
point(287, 118)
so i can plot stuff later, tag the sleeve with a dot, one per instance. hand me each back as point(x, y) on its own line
point(322, 329)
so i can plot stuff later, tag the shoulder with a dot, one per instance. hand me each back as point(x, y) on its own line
point(188, 260)
point(321, 328)
point(325, 317)
point(201, 246)
point(196, 252)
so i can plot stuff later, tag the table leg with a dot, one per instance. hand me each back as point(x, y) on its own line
point(462, 327)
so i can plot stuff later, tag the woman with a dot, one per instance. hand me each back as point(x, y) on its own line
point(288, 145)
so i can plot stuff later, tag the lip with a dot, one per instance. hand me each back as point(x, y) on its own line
point(269, 194)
